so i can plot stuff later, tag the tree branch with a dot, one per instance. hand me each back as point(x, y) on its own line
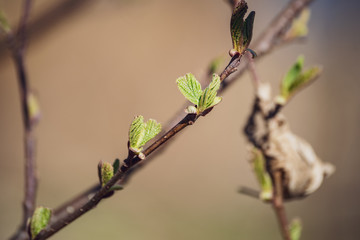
point(17, 44)
point(58, 224)
point(265, 43)
point(264, 105)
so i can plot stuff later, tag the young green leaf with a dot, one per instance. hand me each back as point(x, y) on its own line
point(208, 98)
point(262, 175)
point(241, 31)
point(291, 76)
point(295, 79)
point(107, 172)
point(137, 133)
point(116, 165)
point(140, 133)
point(39, 220)
point(152, 128)
point(190, 88)
point(295, 229)
point(299, 27)
point(4, 25)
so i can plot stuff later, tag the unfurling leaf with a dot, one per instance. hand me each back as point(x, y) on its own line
point(299, 27)
point(203, 100)
point(152, 128)
point(140, 133)
point(241, 31)
point(137, 133)
point(116, 165)
point(296, 79)
point(208, 98)
point(262, 175)
point(39, 220)
point(4, 25)
point(107, 172)
point(190, 88)
point(295, 229)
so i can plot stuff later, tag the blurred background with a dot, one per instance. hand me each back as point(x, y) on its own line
point(94, 65)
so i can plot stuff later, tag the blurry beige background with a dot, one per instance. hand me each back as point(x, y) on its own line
point(94, 68)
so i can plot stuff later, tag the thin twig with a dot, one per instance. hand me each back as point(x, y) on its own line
point(128, 163)
point(57, 225)
point(250, 130)
point(47, 20)
point(265, 43)
point(278, 205)
point(18, 45)
point(77, 211)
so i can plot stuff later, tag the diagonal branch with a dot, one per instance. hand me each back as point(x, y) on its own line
point(278, 205)
point(270, 38)
point(57, 224)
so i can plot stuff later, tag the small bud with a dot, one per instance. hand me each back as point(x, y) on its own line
point(34, 108)
point(39, 220)
point(280, 100)
point(233, 52)
point(295, 229)
point(141, 156)
point(116, 165)
point(191, 109)
point(107, 172)
point(262, 175)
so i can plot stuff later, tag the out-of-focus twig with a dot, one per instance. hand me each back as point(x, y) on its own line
point(278, 205)
point(262, 104)
point(17, 42)
point(48, 19)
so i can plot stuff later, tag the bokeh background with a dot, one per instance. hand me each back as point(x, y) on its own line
point(97, 64)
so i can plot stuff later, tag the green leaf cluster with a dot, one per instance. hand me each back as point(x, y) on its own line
point(203, 99)
point(295, 229)
point(296, 79)
point(241, 31)
point(140, 132)
point(262, 175)
point(39, 220)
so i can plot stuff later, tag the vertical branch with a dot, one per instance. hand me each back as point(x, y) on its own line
point(18, 45)
point(278, 205)
point(277, 200)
